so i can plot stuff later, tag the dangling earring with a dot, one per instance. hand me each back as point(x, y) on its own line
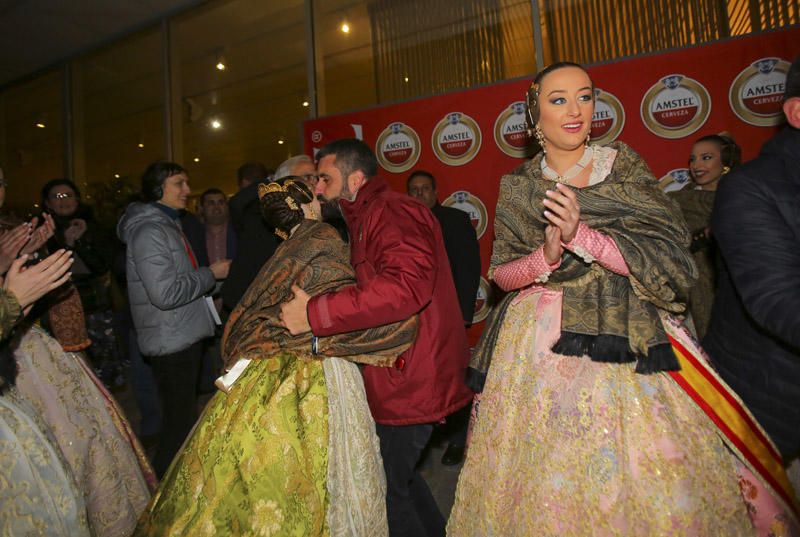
point(726, 170)
point(588, 138)
point(537, 132)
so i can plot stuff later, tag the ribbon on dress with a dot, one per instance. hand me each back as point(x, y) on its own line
point(737, 427)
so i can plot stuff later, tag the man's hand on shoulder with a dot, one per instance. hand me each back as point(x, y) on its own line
point(294, 315)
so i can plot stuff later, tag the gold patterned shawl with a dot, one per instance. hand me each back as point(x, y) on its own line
point(317, 260)
point(611, 318)
point(696, 206)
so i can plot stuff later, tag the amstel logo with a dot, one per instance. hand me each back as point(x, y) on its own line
point(456, 139)
point(510, 131)
point(608, 119)
point(757, 92)
point(675, 180)
point(472, 205)
point(397, 148)
point(482, 301)
point(675, 107)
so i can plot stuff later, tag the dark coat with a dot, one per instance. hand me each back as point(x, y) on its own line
point(397, 251)
point(464, 255)
point(96, 248)
point(195, 232)
point(754, 337)
point(256, 244)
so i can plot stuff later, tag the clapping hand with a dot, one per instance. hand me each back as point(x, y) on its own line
point(29, 284)
point(552, 244)
point(40, 234)
point(75, 231)
point(11, 242)
point(563, 211)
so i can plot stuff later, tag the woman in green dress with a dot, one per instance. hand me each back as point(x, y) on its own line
point(288, 447)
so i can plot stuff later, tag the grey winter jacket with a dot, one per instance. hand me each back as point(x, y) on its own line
point(166, 293)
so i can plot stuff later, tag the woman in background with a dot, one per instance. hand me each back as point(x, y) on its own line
point(76, 229)
point(712, 158)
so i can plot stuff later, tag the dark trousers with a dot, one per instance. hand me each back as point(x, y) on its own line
point(456, 426)
point(410, 506)
point(176, 376)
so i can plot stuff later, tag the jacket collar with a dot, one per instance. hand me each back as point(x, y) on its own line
point(173, 214)
point(368, 192)
point(785, 144)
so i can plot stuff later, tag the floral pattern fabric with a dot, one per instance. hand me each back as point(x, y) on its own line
point(38, 495)
point(256, 462)
point(566, 446)
point(105, 458)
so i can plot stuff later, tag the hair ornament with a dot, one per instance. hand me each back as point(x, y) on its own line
point(264, 189)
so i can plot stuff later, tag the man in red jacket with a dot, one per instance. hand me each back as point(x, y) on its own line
point(397, 251)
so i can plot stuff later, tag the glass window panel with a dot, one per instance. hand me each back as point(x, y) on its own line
point(118, 111)
point(592, 31)
point(400, 50)
point(253, 109)
point(31, 138)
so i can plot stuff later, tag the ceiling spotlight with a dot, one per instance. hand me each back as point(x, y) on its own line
point(116, 176)
point(140, 145)
point(280, 141)
point(220, 62)
point(405, 79)
point(40, 125)
point(196, 159)
point(345, 28)
point(305, 103)
point(216, 124)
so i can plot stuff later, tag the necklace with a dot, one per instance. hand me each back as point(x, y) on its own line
point(570, 174)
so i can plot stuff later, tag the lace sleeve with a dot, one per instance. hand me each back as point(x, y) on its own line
point(532, 268)
point(592, 245)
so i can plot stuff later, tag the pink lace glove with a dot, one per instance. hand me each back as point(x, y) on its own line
point(591, 245)
point(524, 271)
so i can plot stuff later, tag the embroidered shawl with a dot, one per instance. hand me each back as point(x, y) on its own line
point(317, 260)
point(609, 317)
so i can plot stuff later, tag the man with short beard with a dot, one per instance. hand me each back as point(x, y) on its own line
point(401, 267)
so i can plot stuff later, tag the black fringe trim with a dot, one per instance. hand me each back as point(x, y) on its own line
point(615, 349)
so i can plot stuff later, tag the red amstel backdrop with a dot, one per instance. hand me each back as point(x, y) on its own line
point(658, 104)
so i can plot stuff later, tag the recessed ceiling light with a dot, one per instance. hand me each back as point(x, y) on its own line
point(196, 159)
point(220, 66)
point(140, 145)
point(116, 176)
point(405, 79)
point(216, 124)
point(280, 141)
point(305, 103)
point(40, 125)
point(345, 28)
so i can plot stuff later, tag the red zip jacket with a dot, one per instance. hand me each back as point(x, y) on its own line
point(401, 265)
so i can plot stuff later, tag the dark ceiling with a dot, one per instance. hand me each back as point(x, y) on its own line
point(36, 34)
